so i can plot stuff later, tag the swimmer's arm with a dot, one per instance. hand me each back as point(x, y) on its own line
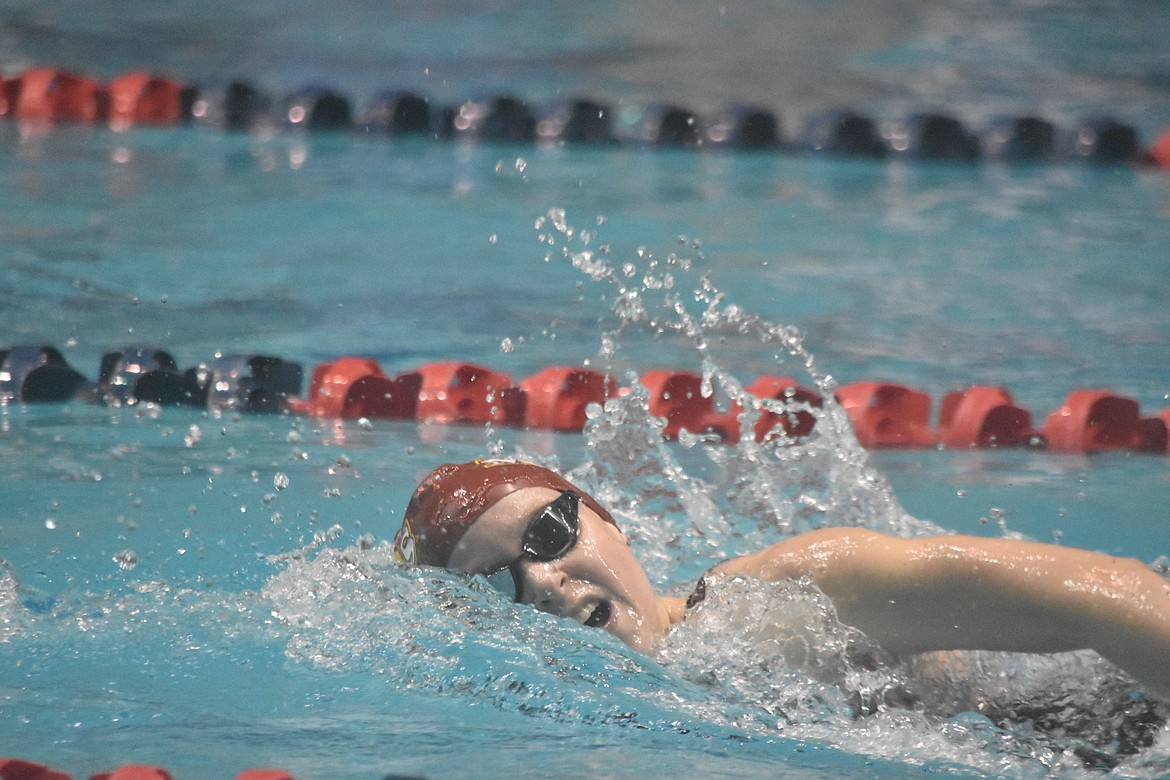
point(961, 592)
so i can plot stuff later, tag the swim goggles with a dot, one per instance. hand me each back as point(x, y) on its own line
point(548, 536)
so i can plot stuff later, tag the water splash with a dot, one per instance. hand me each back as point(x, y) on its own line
point(813, 677)
point(356, 611)
point(782, 483)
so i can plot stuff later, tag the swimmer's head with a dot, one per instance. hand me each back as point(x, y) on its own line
point(537, 538)
point(454, 496)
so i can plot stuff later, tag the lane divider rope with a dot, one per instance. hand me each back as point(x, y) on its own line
point(41, 97)
point(20, 769)
point(557, 398)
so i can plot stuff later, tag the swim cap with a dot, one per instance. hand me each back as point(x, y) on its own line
point(455, 495)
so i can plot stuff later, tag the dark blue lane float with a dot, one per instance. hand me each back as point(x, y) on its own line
point(316, 107)
point(842, 132)
point(884, 415)
point(37, 375)
point(1104, 140)
point(1019, 139)
point(47, 96)
point(929, 136)
point(744, 127)
point(576, 121)
point(396, 112)
point(233, 106)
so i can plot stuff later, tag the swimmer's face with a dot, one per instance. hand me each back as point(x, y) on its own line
point(597, 582)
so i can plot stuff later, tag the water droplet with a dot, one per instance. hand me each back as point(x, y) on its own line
point(280, 480)
point(51, 524)
point(194, 436)
point(126, 560)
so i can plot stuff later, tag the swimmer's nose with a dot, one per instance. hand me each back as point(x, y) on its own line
point(546, 585)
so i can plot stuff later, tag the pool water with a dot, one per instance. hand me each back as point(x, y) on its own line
point(213, 591)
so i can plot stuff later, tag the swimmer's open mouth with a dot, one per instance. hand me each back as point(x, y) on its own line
point(600, 615)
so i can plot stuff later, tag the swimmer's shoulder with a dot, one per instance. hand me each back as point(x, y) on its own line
point(813, 553)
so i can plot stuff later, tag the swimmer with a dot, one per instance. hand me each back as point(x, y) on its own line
point(544, 542)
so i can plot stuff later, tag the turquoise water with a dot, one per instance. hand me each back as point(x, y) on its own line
point(163, 601)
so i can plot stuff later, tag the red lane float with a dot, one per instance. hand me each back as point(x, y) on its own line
point(8, 94)
point(467, 393)
point(1093, 421)
point(795, 424)
point(46, 95)
point(18, 769)
point(354, 387)
point(557, 397)
point(982, 416)
point(140, 98)
point(134, 772)
point(1159, 153)
point(677, 397)
point(887, 415)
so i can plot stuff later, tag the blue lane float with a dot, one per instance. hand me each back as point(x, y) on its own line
point(47, 96)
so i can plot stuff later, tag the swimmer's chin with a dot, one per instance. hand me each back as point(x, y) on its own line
point(603, 614)
point(635, 631)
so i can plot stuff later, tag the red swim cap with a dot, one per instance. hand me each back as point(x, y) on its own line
point(454, 496)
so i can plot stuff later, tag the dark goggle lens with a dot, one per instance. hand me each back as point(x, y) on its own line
point(554, 531)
